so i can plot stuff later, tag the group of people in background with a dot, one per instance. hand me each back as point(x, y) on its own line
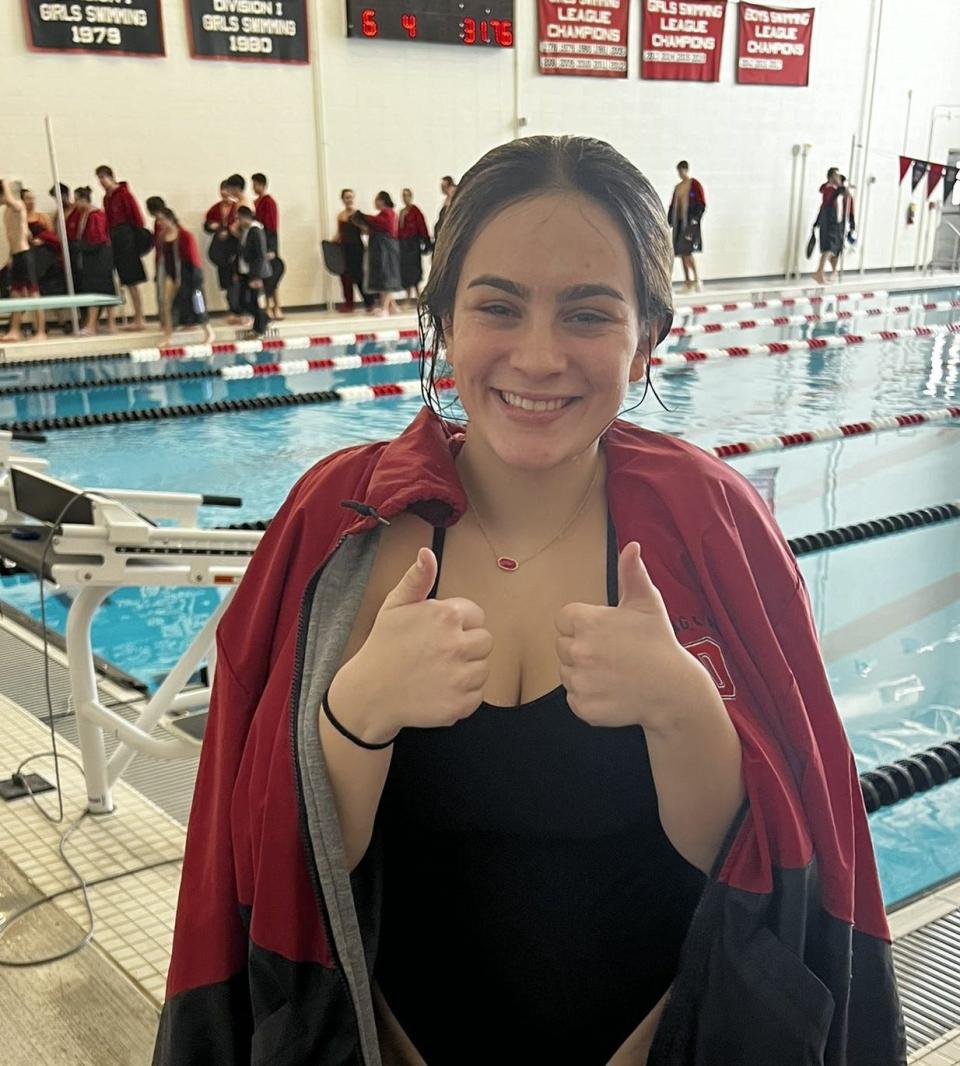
point(392, 260)
point(244, 247)
point(106, 248)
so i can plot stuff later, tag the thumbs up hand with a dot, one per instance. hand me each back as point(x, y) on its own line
point(425, 662)
point(623, 665)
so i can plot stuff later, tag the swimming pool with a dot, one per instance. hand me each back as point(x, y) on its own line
point(888, 611)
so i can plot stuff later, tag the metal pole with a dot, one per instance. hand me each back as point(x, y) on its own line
point(863, 221)
point(791, 213)
point(319, 136)
point(799, 237)
point(61, 223)
point(864, 160)
point(896, 215)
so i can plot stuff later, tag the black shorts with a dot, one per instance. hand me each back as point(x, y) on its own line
point(126, 258)
point(23, 275)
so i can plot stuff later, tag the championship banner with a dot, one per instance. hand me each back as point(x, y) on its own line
point(134, 28)
point(682, 39)
point(919, 169)
point(266, 31)
point(583, 38)
point(905, 163)
point(773, 45)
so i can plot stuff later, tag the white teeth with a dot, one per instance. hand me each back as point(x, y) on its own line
point(532, 405)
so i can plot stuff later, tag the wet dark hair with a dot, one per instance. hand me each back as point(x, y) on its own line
point(244, 212)
point(238, 181)
point(385, 196)
point(64, 190)
point(103, 171)
point(83, 192)
point(262, 178)
point(155, 204)
point(683, 165)
point(529, 167)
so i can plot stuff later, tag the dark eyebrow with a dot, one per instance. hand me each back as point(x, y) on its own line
point(575, 292)
point(584, 292)
point(494, 282)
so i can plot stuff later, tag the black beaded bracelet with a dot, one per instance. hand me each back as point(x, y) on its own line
point(343, 731)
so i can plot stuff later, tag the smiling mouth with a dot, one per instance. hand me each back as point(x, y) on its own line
point(523, 403)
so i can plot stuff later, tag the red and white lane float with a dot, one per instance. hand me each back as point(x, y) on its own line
point(849, 429)
point(811, 319)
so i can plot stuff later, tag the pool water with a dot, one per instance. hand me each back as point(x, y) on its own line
point(888, 611)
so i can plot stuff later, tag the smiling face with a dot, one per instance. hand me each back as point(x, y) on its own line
point(545, 330)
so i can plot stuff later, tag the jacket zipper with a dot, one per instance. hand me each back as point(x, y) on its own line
point(302, 627)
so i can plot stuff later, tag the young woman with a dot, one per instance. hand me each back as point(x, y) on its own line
point(92, 253)
point(414, 236)
point(349, 238)
point(46, 251)
point(687, 206)
point(179, 278)
point(382, 270)
point(521, 749)
point(220, 222)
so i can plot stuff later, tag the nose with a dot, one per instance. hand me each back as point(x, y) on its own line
point(538, 351)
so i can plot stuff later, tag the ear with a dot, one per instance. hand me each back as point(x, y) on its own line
point(647, 341)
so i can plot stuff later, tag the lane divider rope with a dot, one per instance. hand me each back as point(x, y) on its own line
point(848, 429)
point(812, 319)
point(346, 393)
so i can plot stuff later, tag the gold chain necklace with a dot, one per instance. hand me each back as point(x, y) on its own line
point(507, 562)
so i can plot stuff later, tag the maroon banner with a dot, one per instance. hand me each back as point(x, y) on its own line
point(583, 38)
point(933, 176)
point(682, 39)
point(905, 163)
point(773, 45)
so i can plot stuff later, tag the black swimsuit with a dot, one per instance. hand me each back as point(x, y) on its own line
point(534, 908)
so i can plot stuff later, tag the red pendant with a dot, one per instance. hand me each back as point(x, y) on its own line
point(506, 563)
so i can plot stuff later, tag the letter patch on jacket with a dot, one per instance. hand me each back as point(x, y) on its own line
point(709, 652)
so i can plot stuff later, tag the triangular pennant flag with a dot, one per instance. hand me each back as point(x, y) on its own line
point(905, 162)
point(933, 176)
point(949, 180)
point(919, 169)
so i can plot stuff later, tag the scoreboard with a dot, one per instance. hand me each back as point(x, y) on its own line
point(476, 23)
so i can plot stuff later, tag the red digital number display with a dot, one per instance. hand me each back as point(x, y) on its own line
point(405, 20)
point(483, 31)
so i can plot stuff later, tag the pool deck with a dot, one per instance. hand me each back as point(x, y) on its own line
point(108, 996)
point(310, 322)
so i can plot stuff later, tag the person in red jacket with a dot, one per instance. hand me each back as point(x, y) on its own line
point(414, 239)
point(92, 253)
point(220, 221)
point(521, 748)
point(687, 206)
point(267, 214)
point(382, 266)
point(125, 224)
point(179, 277)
